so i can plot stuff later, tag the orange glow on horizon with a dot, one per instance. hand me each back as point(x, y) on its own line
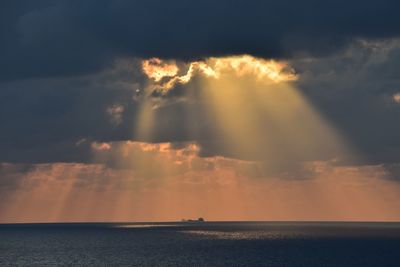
point(176, 183)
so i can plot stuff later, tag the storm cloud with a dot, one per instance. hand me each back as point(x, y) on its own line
point(62, 38)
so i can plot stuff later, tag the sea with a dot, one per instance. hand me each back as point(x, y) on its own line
point(201, 244)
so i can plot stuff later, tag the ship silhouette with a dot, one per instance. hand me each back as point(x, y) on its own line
point(191, 220)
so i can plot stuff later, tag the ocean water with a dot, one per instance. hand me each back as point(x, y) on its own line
point(201, 244)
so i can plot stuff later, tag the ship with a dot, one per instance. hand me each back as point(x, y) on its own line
point(193, 220)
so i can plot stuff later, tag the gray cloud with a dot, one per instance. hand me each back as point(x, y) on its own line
point(353, 90)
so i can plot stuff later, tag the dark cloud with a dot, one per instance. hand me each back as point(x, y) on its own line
point(53, 38)
point(44, 120)
point(354, 90)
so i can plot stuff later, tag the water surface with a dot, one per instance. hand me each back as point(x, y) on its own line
point(201, 244)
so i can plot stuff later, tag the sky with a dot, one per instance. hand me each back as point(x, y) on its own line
point(228, 110)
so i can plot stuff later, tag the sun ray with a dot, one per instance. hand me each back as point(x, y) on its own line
point(259, 113)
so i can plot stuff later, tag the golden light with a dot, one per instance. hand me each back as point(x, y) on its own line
point(272, 120)
point(258, 109)
point(157, 69)
point(215, 67)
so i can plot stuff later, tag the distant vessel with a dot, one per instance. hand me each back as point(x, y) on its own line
point(191, 220)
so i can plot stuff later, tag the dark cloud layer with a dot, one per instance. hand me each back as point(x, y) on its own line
point(52, 38)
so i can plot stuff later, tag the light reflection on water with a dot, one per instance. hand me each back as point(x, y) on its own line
point(125, 225)
point(242, 235)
